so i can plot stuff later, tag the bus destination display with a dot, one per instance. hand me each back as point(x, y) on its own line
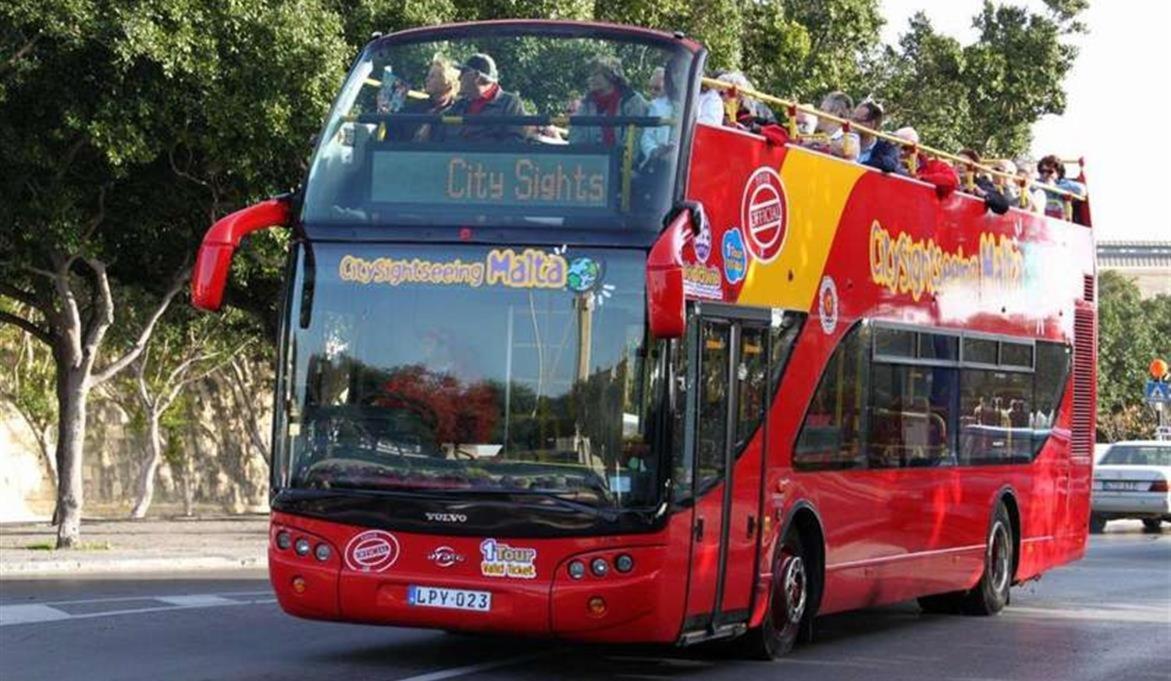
point(498, 179)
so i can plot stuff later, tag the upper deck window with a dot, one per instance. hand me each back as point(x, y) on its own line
point(506, 126)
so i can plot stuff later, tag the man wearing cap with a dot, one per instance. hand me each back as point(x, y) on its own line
point(481, 95)
point(610, 95)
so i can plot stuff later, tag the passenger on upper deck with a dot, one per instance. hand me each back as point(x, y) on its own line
point(1051, 171)
point(609, 95)
point(806, 122)
point(441, 86)
point(979, 184)
point(925, 168)
point(480, 94)
point(751, 114)
point(832, 139)
point(655, 83)
point(875, 152)
point(710, 105)
point(657, 142)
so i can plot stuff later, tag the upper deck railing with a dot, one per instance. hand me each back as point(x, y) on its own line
point(791, 108)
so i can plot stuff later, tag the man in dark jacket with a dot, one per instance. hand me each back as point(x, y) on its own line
point(875, 152)
point(481, 95)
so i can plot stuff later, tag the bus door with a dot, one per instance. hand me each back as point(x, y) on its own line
point(731, 372)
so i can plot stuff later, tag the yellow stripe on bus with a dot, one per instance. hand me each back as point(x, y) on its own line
point(817, 189)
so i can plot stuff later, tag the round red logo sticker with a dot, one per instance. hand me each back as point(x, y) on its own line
point(764, 212)
point(372, 551)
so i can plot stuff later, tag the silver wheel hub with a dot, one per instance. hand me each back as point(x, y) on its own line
point(999, 557)
point(793, 584)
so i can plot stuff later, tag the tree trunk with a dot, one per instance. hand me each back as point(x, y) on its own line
point(188, 487)
point(72, 395)
point(146, 477)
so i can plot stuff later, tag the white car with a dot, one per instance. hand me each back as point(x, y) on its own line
point(1131, 481)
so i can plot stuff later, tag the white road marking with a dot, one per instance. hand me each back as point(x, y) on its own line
point(24, 614)
point(205, 600)
point(473, 668)
point(1134, 614)
point(32, 613)
point(115, 599)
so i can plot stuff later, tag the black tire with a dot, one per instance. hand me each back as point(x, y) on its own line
point(1152, 525)
point(990, 594)
point(1097, 523)
point(790, 604)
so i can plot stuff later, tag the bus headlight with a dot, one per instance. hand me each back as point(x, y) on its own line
point(284, 540)
point(302, 547)
point(624, 563)
point(576, 569)
point(322, 552)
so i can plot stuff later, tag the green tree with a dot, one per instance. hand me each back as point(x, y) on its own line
point(126, 132)
point(988, 94)
point(1126, 345)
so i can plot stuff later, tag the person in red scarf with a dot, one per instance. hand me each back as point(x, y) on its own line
point(609, 95)
point(481, 95)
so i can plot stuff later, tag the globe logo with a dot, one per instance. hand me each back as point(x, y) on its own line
point(584, 274)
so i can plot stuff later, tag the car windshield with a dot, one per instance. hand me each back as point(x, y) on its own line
point(512, 127)
point(1138, 455)
point(471, 370)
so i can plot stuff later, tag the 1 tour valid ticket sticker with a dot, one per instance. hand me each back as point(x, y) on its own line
point(502, 560)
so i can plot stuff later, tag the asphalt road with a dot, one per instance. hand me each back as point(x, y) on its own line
point(1107, 617)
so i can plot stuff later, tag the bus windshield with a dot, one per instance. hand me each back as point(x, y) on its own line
point(532, 126)
point(471, 370)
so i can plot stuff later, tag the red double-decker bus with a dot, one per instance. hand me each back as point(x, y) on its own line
point(615, 375)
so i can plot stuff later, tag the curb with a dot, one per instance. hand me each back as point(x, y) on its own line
point(58, 568)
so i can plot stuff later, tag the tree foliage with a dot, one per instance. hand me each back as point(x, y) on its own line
point(1131, 332)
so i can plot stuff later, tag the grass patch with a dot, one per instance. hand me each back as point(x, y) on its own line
point(83, 546)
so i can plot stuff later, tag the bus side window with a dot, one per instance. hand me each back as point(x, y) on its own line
point(830, 435)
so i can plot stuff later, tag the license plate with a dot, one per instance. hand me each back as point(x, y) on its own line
point(1125, 486)
point(455, 599)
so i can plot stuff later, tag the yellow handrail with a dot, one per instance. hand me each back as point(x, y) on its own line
point(937, 153)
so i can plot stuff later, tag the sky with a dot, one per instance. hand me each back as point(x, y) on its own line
point(1116, 110)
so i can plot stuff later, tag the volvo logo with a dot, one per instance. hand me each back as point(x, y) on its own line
point(445, 556)
point(447, 517)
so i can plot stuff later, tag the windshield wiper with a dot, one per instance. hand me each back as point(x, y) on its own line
point(605, 512)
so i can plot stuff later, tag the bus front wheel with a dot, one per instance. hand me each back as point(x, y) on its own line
point(789, 606)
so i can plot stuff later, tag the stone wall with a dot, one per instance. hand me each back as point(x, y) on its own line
point(219, 463)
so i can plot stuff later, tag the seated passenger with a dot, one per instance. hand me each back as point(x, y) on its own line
point(872, 151)
point(979, 183)
point(806, 122)
point(750, 114)
point(1010, 189)
point(833, 139)
point(655, 83)
point(1026, 183)
point(609, 95)
point(923, 167)
point(441, 86)
point(658, 141)
point(1051, 171)
point(481, 95)
point(711, 104)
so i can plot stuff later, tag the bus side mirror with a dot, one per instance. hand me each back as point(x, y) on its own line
point(664, 274)
point(214, 262)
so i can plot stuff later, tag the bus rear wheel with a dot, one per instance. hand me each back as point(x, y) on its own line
point(789, 606)
point(990, 594)
point(1097, 523)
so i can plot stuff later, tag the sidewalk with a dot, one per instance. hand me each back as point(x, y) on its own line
point(113, 546)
